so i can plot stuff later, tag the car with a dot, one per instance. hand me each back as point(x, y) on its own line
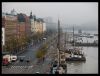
point(37, 72)
point(13, 57)
point(28, 59)
point(44, 38)
point(22, 59)
point(5, 62)
point(8, 58)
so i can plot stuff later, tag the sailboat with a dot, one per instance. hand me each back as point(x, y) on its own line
point(59, 66)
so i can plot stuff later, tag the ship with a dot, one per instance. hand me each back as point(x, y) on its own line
point(73, 57)
point(59, 65)
point(74, 53)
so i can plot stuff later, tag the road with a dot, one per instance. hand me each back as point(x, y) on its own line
point(32, 67)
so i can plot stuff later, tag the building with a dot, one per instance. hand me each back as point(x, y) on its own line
point(23, 30)
point(17, 31)
point(37, 24)
point(3, 36)
point(24, 27)
point(44, 26)
point(50, 25)
point(48, 19)
point(13, 12)
point(10, 23)
point(32, 22)
point(3, 32)
point(79, 31)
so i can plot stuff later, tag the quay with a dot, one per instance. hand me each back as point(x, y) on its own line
point(86, 44)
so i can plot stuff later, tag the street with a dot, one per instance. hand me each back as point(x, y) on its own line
point(32, 67)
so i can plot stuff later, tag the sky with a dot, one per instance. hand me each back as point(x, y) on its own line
point(69, 13)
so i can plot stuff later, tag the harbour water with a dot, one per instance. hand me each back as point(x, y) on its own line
point(91, 64)
point(88, 67)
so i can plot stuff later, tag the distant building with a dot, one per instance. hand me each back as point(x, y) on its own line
point(13, 12)
point(80, 31)
point(50, 25)
point(48, 20)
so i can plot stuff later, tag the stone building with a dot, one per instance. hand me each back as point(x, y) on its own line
point(17, 30)
point(37, 24)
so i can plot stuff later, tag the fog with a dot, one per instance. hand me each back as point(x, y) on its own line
point(69, 13)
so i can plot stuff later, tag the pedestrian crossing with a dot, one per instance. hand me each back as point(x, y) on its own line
point(26, 69)
point(17, 69)
point(21, 66)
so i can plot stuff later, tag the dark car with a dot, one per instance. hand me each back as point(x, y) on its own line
point(27, 59)
point(22, 59)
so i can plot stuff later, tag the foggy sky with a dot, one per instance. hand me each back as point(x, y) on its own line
point(69, 13)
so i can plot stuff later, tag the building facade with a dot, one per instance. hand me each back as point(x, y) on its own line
point(17, 31)
point(37, 24)
point(9, 22)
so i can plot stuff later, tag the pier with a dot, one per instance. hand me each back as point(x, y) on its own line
point(86, 44)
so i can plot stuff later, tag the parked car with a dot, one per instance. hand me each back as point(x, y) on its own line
point(13, 57)
point(28, 59)
point(37, 72)
point(7, 59)
point(21, 59)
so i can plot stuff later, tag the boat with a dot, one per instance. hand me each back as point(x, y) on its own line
point(90, 36)
point(59, 66)
point(76, 58)
point(75, 53)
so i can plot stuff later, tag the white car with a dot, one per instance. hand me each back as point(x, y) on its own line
point(13, 57)
point(37, 72)
point(44, 38)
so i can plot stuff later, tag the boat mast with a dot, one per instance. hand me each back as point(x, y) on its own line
point(73, 38)
point(65, 41)
point(58, 45)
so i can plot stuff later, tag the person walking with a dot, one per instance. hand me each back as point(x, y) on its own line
point(43, 59)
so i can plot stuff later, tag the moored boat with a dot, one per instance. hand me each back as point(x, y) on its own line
point(76, 58)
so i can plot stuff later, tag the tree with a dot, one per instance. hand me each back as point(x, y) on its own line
point(41, 52)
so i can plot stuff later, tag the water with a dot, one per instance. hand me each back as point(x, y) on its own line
point(91, 64)
point(88, 67)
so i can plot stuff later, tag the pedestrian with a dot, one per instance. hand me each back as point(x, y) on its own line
point(56, 72)
point(43, 59)
point(51, 69)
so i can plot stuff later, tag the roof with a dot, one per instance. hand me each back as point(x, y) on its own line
point(21, 17)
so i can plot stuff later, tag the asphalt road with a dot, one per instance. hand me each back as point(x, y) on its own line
point(32, 67)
